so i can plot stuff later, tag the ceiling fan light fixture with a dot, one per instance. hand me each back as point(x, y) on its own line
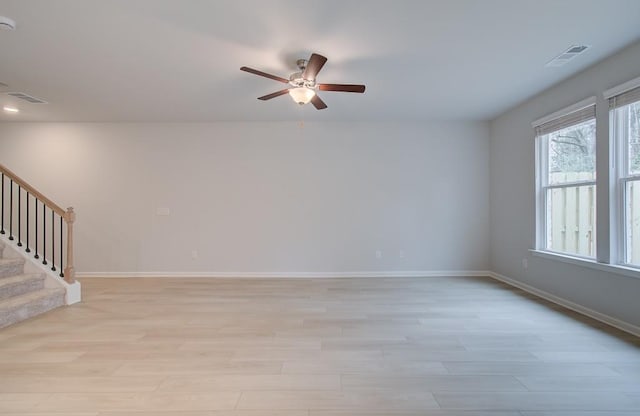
point(302, 95)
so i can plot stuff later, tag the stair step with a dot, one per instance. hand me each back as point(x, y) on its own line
point(11, 267)
point(21, 284)
point(19, 308)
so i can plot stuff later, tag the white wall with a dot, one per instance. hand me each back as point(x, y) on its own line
point(264, 197)
point(513, 199)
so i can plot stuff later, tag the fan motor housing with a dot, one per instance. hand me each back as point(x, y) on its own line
point(296, 80)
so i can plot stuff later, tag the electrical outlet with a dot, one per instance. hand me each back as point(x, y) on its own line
point(194, 254)
point(401, 254)
point(525, 264)
point(378, 254)
point(163, 211)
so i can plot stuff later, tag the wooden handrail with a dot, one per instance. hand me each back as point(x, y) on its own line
point(33, 191)
point(68, 215)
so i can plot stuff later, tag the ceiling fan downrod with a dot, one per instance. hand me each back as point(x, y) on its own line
point(302, 64)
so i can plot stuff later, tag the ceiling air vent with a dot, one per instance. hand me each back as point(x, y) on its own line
point(27, 97)
point(7, 24)
point(566, 56)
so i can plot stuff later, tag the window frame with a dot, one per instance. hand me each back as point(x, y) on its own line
point(542, 179)
point(619, 136)
point(611, 251)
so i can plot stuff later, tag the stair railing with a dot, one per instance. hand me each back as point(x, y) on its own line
point(16, 216)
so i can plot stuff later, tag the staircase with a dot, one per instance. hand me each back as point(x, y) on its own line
point(36, 252)
point(23, 296)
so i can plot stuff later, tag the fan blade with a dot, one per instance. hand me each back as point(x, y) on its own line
point(341, 87)
point(315, 64)
point(273, 95)
point(264, 74)
point(318, 103)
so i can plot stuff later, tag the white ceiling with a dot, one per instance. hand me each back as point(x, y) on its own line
point(179, 60)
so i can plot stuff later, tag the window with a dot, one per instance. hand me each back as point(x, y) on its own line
point(625, 129)
point(566, 181)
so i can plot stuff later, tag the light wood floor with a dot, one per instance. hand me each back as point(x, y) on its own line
point(328, 347)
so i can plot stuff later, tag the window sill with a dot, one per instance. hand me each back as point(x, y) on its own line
point(590, 264)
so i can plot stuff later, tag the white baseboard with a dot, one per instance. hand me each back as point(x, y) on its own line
point(614, 322)
point(617, 323)
point(289, 275)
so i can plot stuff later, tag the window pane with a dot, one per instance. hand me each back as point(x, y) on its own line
point(571, 216)
point(633, 126)
point(632, 222)
point(572, 153)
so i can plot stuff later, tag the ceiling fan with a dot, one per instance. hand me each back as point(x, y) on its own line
point(303, 85)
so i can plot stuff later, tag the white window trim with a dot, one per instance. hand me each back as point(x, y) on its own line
point(541, 181)
point(622, 88)
point(620, 169)
point(616, 264)
point(587, 102)
point(540, 212)
point(617, 148)
point(587, 263)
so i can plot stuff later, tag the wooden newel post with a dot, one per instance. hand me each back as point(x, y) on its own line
point(69, 271)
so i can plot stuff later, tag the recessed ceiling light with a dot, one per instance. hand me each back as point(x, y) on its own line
point(12, 110)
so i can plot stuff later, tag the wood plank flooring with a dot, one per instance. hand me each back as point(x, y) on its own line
point(315, 347)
